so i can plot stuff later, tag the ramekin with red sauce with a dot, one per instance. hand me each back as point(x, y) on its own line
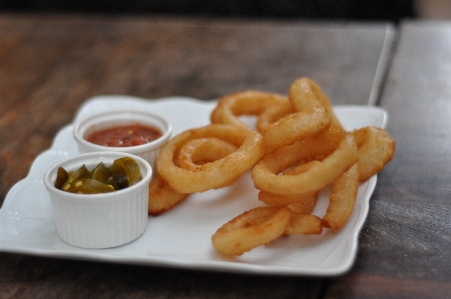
point(141, 133)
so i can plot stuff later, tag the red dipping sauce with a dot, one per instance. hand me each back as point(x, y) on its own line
point(122, 136)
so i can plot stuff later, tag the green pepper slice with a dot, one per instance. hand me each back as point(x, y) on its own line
point(120, 176)
point(101, 172)
point(123, 173)
point(131, 167)
point(80, 173)
point(87, 186)
point(111, 181)
point(61, 177)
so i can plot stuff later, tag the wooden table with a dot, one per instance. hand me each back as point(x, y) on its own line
point(50, 64)
point(405, 245)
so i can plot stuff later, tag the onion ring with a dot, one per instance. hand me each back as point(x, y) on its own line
point(304, 225)
point(322, 144)
point(300, 203)
point(281, 200)
point(272, 114)
point(197, 152)
point(305, 205)
point(304, 94)
point(376, 149)
point(266, 172)
point(342, 199)
point(251, 229)
point(249, 102)
point(215, 174)
point(295, 127)
point(280, 127)
point(162, 197)
point(301, 95)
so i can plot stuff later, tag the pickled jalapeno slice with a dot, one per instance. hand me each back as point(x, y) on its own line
point(80, 173)
point(88, 186)
point(122, 173)
point(61, 177)
point(101, 172)
point(131, 168)
point(111, 181)
point(119, 175)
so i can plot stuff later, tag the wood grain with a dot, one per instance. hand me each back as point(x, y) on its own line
point(405, 243)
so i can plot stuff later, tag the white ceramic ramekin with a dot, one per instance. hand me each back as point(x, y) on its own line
point(99, 220)
point(148, 151)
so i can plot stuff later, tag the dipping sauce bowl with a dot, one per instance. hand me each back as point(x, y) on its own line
point(101, 121)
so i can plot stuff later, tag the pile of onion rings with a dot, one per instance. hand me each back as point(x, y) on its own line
point(297, 148)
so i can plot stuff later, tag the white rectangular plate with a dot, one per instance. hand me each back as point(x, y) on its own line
point(181, 237)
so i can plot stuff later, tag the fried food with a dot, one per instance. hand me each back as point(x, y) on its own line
point(266, 173)
point(215, 174)
point(273, 113)
point(300, 203)
point(197, 152)
point(376, 149)
point(281, 200)
point(249, 102)
point(342, 199)
point(295, 127)
point(162, 197)
point(251, 229)
point(303, 224)
point(297, 148)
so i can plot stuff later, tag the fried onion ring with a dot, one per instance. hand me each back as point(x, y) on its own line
point(304, 206)
point(266, 172)
point(304, 225)
point(342, 199)
point(162, 197)
point(248, 102)
point(251, 229)
point(376, 149)
point(304, 94)
point(295, 127)
point(297, 148)
point(281, 200)
point(215, 174)
point(272, 114)
point(197, 152)
point(300, 203)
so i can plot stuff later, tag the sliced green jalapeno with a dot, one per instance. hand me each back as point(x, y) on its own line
point(61, 177)
point(101, 172)
point(87, 186)
point(121, 174)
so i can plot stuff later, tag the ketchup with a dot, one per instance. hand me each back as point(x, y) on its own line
point(121, 136)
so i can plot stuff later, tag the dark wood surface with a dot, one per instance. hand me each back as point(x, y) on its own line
point(50, 64)
point(405, 244)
